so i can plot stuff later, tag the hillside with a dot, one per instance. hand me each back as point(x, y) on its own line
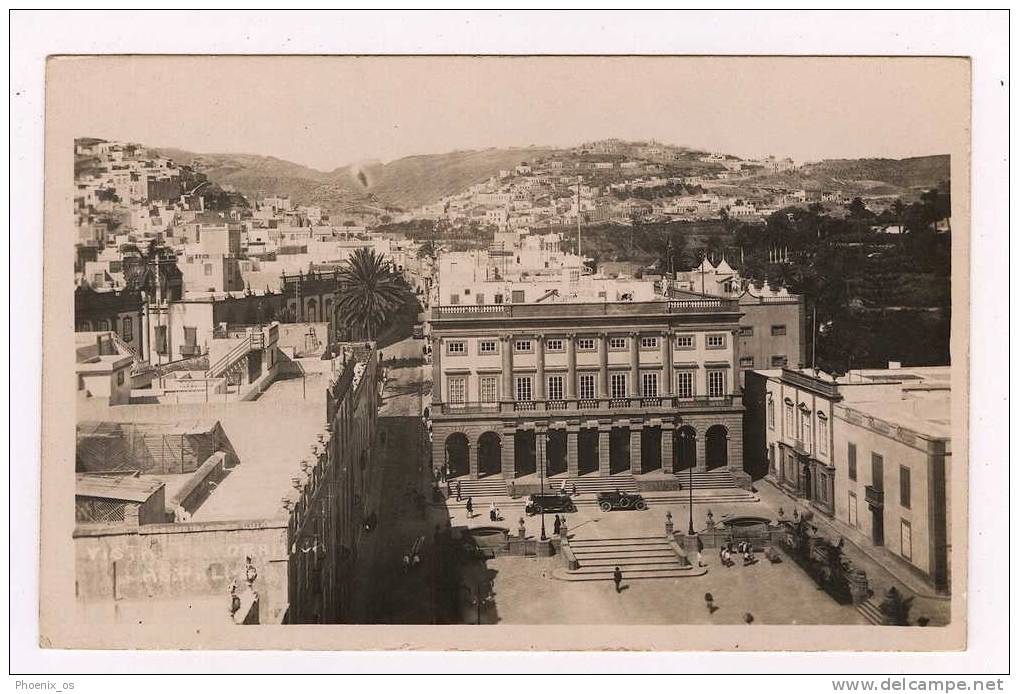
point(403, 183)
point(864, 176)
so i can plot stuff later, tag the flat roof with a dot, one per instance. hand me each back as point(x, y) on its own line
point(270, 436)
point(119, 487)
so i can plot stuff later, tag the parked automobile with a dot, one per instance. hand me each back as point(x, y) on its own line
point(609, 501)
point(549, 503)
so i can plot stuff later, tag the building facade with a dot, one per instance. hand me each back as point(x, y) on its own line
point(600, 389)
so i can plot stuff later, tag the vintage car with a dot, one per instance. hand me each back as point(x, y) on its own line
point(549, 503)
point(609, 501)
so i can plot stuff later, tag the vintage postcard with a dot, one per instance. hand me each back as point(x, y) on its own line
point(506, 353)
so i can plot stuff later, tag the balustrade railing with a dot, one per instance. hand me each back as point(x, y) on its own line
point(658, 402)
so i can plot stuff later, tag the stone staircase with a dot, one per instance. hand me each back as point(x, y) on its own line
point(480, 488)
point(592, 484)
point(870, 610)
point(636, 557)
point(719, 478)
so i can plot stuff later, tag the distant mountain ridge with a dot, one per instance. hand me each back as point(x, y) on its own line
point(403, 183)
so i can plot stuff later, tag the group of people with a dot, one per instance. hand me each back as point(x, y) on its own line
point(572, 491)
point(742, 548)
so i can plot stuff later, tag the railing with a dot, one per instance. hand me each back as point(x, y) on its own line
point(230, 358)
point(190, 350)
point(579, 309)
point(874, 497)
point(558, 405)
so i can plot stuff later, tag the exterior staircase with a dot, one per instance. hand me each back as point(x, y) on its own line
point(592, 484)
point(869, 609)
point(228, 360)
point(636, 557)
point(719, 478)
point(480, 488)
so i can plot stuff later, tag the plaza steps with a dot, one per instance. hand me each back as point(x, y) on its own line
point(480, 488)
point(709, 479)
point(870, 610)
point(592, 484)
point(700, 497)
point(636, 557)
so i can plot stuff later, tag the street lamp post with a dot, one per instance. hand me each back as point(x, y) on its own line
point(539, 437)
point(684, 434)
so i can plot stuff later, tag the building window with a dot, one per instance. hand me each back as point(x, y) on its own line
point(555, 387)
point(587, 388)
point(489, 389)
point(805, 429)
point(522, 346)
point(715, 341)
point(585, 344)
point(778, 361)
point(788, 428)
point(771, 414)
point(822, 434)
point(906, 540)
point(524, 389)
point(777, 330)
point(716, 383)
point(684, 385)
point(618, 386)
point(554, 345)
point(746, 362)
point(649, 384)
point(746, 331)
point(684, 342)
point(127, 329)
point(488, 347)
point(877, 471)
point(905, 492)
point(120, 378)
point(854, 519)
point(208, 269)
point(102, 325)
point(617, 343)
point(517, 295)
point(190, 337)
point(456, 387)
point(454, 298)
point(851, 460)
point(456, 348)
point(649, 343)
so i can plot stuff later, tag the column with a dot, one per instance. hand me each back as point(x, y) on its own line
point(636, 431)
point(507, 368)
point(436, 370)
point(604, 470)
point(472, 460)
point(508, 451)
point(539, 361)
point(572, 451)
point(634, 365)
point(665, 387)
point(668, 431)
point(699, 444)
point(571, 367)
point(603, 373)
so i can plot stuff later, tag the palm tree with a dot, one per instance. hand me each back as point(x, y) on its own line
point(370, 292)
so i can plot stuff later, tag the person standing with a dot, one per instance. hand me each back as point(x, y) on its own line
point(470, 504)
point(557, 525)
point(459, 496)
point(617, 578)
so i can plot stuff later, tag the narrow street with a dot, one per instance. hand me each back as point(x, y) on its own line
point(399, 595)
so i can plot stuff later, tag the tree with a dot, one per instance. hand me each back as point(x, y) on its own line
point(370, 292)
point(858, 210)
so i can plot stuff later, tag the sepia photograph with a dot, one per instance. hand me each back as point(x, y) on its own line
point(649, 377)
point(507, 352)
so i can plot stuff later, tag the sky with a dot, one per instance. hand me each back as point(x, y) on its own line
point(328, 112)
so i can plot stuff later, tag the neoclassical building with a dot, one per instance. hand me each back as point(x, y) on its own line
point(594, 382)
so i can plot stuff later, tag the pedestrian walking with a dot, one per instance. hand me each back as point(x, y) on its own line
point(573, 489)
point(617, 578)
point(557, 525)
point(459, 496)
point(470, 506)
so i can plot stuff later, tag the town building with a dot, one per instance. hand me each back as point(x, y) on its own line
point(210, 514)
point(870, 450)
point(599, 377)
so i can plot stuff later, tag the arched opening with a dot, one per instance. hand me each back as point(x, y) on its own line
point(489, 454)
point(587, 452)
point(685, 447)
point(457, 455)
point(619, 450)
point(312, 311)
point(556, 455)
point(525, 453)
point(716, 447)
point(650, 449)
